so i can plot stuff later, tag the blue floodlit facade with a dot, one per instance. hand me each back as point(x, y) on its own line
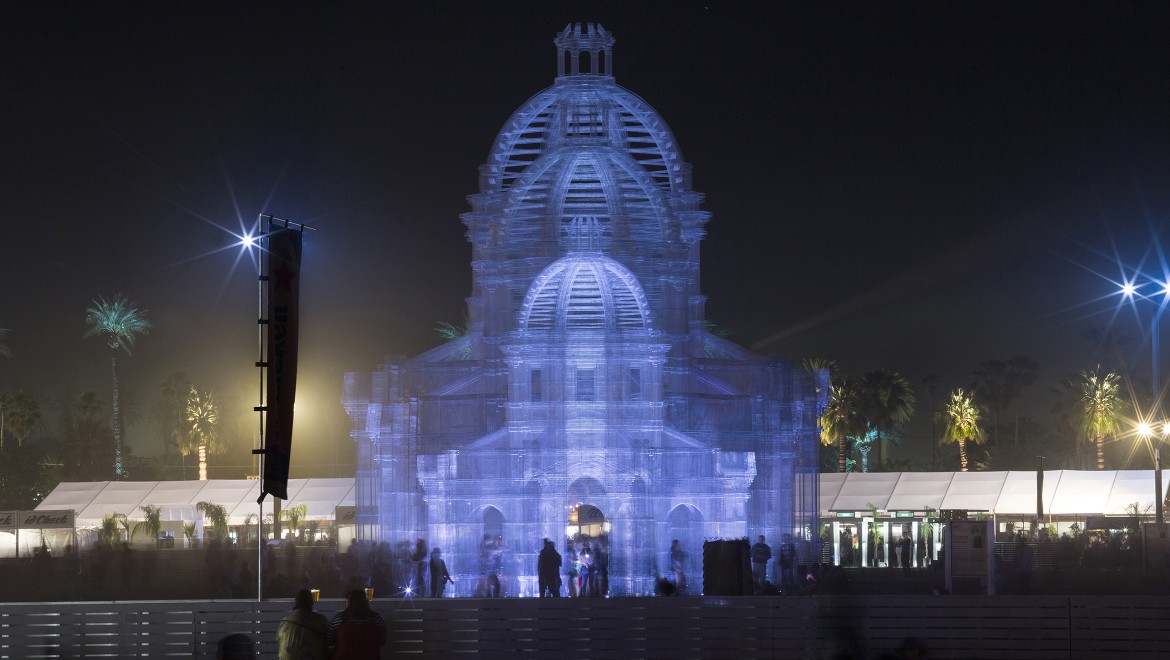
point(587, 396)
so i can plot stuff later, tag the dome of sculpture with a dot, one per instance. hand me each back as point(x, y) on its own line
point(585, 107)
point(585, 292)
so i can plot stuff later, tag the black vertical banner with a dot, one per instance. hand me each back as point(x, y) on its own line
point(284, 274)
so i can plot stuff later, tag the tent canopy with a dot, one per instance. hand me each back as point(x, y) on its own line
point(178, 499)
point(1066, 492)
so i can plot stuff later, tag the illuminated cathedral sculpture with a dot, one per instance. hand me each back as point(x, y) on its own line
point(587, 397)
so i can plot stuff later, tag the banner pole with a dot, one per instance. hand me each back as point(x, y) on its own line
point(261, 278)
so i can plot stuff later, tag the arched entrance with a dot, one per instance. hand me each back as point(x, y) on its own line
point(588, 530)
point(586, 522)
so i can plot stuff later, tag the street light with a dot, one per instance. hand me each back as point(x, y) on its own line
point(1146, 430)
point(1161, 297)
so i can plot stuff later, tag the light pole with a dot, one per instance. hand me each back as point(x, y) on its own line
point(1129, 292)
point(1146, 431)
point(1161, 298)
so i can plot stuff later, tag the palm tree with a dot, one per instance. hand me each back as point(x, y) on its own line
point(864, 443)
point(1101, 408)
point(203, 435)
point(189, 533)
point(962, 423)
point(124, 523)
point(249, 520)
point(151, 523)
point(887, 403)
point(19, 414)
point(120, 322)
point(293, 515)
point(841, 421)
point(108, 531)
point(217, 514)
point(813, 367)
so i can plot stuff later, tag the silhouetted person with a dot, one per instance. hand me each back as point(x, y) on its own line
point(906, 549)
point(678, 558)
point(571, 566)
point(548, 570)
point(601, 568)
point(761, 555)
point(439, 575)
point(787, 561)
point(420, 567)
point(357, 632)
point(588, 574)
point(489, 562)
point(301, 633)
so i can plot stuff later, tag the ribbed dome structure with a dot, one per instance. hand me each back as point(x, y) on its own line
point(585, 147)
point(585, 292)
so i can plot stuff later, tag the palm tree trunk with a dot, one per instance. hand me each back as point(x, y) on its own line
point(202, 462)
point(878, 463)
point(119, 473)
point(841, 453)
point(1100, 452)
point(963, 455)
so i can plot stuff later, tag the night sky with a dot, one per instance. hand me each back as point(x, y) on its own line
point(908, 186)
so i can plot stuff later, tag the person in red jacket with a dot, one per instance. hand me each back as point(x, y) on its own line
point(357, 632)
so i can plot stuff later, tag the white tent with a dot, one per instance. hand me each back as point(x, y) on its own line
point(863, 491)
point(1066, 492)
point(177, 499)
point(917, 491)
point(831, 484)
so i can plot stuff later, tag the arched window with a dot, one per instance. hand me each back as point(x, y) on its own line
point(493, 523)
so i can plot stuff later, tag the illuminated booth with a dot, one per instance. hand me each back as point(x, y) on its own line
point(28, 533)
point(588, 397)
point(865, 514)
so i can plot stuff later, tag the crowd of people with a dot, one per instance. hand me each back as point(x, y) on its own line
point(587, 570)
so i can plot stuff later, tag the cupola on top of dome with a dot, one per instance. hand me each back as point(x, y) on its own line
point(584, 50)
